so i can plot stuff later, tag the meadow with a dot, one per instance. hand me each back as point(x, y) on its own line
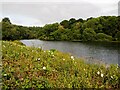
point(33, 68)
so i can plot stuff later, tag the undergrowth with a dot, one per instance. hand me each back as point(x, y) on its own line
point(30, 67)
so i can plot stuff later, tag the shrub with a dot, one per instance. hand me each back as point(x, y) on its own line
point(103, 37)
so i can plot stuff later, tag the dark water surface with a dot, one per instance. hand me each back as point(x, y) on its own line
point(107, 52)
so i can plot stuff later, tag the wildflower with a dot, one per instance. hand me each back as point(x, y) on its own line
point(101, 75)
point(5, 74)
point(117, 66)
point(84, 69)
point(53, 55)
point(72, 57)
point(44, 51)
point(98, 72)
point(63, 59)
point(44, 67)
point(51, 52)
point(38, 59)
point(112, 77)
point(0, 65)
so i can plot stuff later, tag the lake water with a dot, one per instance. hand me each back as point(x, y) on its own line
point(107, 52)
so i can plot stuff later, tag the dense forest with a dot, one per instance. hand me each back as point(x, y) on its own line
point(103, 28)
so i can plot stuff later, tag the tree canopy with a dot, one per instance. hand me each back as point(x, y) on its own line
point(103, 28)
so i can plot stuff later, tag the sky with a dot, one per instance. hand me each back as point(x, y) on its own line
point(41, 12)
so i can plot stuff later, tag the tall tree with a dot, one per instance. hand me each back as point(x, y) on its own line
point(6, 19)
point(89, 34)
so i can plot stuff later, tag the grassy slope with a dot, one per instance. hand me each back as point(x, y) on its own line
point(27, 67)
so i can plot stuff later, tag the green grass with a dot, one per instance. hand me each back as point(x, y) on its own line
point(29, 67)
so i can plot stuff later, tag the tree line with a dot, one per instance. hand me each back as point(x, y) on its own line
point(103, 28)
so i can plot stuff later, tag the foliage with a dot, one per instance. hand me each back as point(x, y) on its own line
point(7, 20)
point(71, 29)
point(103, 37)
point(89, 34)
point(32, 68)
point(118, 35)
point(65, 23)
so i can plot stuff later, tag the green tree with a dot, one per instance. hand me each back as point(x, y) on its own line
point(109, 24)
point(48, 28)
point(89, 34)
point(103, 37)
point(65, 23)
point(76, 29)
point(118, 36)
point(56, 35)
point(67, 34)
point(6, 19)
point(106, 27)
point(7, 30)
point(72, 20)
point(91, 23)
point(80, 20)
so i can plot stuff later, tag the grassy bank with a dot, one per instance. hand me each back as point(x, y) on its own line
point(29, 67)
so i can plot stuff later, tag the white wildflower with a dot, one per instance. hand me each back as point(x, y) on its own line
point(44, 67)
point(117, 66)
point(38, 59)
point(5, 74)
point(72, 57)
point(63, 59)
point(102, 75)
point(98, 72)
point(84, 69)
point(53, 55)
point(44, 51)
point(51, 52)
point(112, 77)
point(0, 65)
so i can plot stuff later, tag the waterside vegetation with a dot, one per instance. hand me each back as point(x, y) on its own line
point(33, 68)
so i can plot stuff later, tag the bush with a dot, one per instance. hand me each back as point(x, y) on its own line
point(118, 36)
point(103, 37)
point(89, 34)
